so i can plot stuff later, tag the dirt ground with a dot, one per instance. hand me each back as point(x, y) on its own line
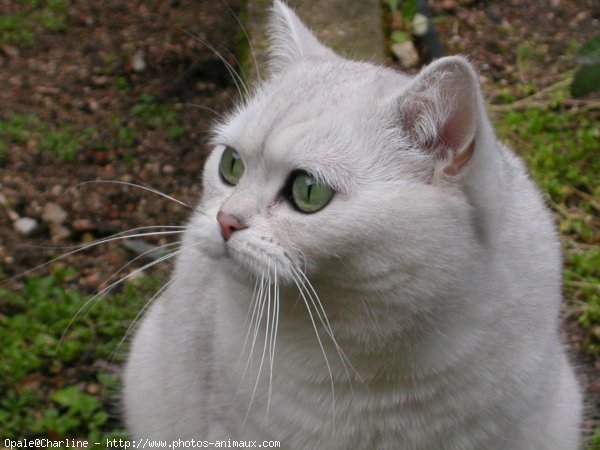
point(113, 55)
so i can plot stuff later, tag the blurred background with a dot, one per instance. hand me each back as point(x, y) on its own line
point(99, 96)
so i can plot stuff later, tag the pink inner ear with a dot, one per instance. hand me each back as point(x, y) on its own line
point(454, 133)
point(439, 112)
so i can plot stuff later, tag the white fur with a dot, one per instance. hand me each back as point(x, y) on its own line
point(441, 290)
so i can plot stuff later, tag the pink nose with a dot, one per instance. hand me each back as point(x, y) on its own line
point(229, 224)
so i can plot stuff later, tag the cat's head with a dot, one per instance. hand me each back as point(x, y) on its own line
point(345, 170)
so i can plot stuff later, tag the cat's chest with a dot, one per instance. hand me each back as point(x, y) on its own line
point(379, 414)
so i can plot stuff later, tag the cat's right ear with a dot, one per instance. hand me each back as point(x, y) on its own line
point(291, 40)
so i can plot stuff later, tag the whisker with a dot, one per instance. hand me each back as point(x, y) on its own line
point(139, 186)
point(258, 310)
point(108, 289)
point(137, 319)
point(114, 237)
point(310, 314)
point(273, 336)
point(243, 28)
point(304, 261)
point(262, 359)
point(206, 108)
point(163, 248)
point(237, 80)
point(268, 337)
point(259, 321)
point(75, 246)
point(325, 321)
point(252, 307)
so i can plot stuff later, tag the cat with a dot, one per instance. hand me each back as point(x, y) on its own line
point(368, 267)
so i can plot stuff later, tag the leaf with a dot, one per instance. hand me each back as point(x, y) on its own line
point(409, 9)
point(400, 36)
point(587, 79)
point(589, 53)
point(77, 401)
point(393, 4)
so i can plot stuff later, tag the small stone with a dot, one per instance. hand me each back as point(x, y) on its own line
point(582, 15)
point(56, 190)
point(59, 233)
point(25, 225)
point(420, 24)
point(168, 169)
point(93, 388)
point(82, 225)
point(406, 53)
point(449, 5)
point(12, 52)
point(53, 213)
point(92, 280)
point(454, 39)
point(100, 80)
point(137, 62)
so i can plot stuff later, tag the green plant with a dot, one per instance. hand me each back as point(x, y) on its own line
point(409, 8)
point(587, 77)
point(393, 4)
point(53, 17)
point(63, 143)
point(17, 128)
point(400, 36)
point(560, 148)
point(44, 339)
point(594, 442)
point(14, 32)
point(155, 116)
point(122, 134)
point(69, 410)
point(20, 28)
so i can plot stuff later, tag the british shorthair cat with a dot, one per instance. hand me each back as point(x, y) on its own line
point(368, 267)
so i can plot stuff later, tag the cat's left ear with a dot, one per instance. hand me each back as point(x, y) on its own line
point(291, 40)
point(439, 112)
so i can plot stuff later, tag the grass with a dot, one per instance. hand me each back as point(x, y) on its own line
point(62, 143)
point(153, 115)
point(50, 353)
point(34, 17)
point(561, 150)
point(65, 142)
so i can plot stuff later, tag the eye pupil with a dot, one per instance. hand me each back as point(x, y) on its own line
point(231, 166)
point(309, 195)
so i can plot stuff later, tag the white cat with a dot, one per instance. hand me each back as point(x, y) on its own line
point(368, 268)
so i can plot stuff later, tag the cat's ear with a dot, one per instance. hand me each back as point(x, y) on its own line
point(291, 40)
point(439, 112)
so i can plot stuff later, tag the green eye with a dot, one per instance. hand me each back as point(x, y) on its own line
point(231, 166)
point(308, 195)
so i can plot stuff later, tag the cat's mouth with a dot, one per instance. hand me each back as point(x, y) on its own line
point(257, 261)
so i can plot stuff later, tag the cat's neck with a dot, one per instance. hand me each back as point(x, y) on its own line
point(390, 338)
